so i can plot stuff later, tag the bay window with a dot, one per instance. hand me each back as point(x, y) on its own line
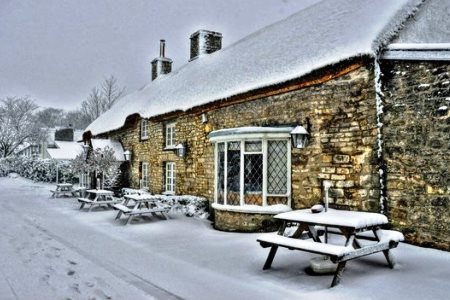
point(252, 166)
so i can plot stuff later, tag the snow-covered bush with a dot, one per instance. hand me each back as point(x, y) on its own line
point(5, 166)
point(43, 170)
point(101, 162)
point(191, 206)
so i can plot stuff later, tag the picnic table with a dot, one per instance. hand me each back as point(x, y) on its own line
point(352, 225)
point(98, 198)
point(144, 204)
point(63, 189)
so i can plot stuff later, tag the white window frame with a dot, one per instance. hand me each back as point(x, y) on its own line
point(263, 135)
point(145, 180)
point(144, 129)
point(170, 136)
point(170, 178)
point(84, 180)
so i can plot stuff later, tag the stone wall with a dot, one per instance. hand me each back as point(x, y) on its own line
point(417, 149)
point(339, 113)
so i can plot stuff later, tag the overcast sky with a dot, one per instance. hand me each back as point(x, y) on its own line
point(56, 50)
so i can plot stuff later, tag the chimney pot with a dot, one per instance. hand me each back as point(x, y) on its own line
point(162, 48)
point(161, 65)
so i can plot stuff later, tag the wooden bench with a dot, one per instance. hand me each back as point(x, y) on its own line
point(388, 239)
point(85, 201)
point(139, 212)
point(56, 193)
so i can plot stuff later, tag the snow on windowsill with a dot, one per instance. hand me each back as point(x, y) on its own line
point(256, 209)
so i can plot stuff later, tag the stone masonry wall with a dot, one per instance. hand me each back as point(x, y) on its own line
point(417, 149)
point(340, 115)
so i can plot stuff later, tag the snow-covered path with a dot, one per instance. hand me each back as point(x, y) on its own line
point(51, 250)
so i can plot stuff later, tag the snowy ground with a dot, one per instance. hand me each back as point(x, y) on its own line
point(51, 250)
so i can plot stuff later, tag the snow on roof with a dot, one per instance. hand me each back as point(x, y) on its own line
point(322, 34)
point(429, 25)
point(115, 145)
point(65, 150)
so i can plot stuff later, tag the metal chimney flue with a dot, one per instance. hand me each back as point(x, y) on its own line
point(162, 48)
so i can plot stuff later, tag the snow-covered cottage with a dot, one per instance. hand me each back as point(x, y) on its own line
point(60, 143)
point(367, 81)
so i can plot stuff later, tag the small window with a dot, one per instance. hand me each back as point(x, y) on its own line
point(144, 129)
point(84, 180)
point(144, 176)
point(170, 135)
point(169, 183)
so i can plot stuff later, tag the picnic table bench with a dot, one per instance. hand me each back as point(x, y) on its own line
point(354, 226)
point(144, 204)
point(98, 198)
point(64, 189)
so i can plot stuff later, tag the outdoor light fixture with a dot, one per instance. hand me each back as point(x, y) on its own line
point(299, 137)
point(204, 118)
point(127, 155)
point(181, 150)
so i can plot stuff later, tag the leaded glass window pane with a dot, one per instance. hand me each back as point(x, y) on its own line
point(277, 167)
point(253, 146)
point(233, 174)
point(220, 172)
point(253, 178)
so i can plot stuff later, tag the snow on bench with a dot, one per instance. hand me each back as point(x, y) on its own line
point(122, 208)
point(388, 239)
point(84, 200)
point(270, 239)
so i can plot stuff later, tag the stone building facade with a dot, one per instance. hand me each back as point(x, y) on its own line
point(343, 138)
point(417, 149)
point(377, 123)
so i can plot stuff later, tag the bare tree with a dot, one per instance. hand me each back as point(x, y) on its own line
point(18, 124)
point(50, 117)
point(110, 92)
point(92, 107)
point(77, 119)
point(100, 100)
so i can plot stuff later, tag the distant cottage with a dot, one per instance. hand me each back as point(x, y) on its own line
point(366, 82)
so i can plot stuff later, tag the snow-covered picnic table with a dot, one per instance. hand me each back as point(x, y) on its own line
point(144, 204)
point(63, 189)
point(354, 226)
point(98, 198)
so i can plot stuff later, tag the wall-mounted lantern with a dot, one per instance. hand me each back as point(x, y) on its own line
point(204, 118)
point(181, 150)
point(299, 137)
point(127, 155)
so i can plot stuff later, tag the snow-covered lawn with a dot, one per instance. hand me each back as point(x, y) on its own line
point(51, 250)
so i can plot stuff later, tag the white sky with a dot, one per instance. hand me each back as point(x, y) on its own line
point(56, 50)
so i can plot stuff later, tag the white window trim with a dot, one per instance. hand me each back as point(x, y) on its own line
point(144, 129)
point(170, 174)
point(170, 143)
point(84, 180)
point(254, 134)
point(145, 180)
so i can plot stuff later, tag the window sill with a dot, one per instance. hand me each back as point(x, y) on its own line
point(168, 193)
point(170, 148)
point(144, 139)
point(255, 209)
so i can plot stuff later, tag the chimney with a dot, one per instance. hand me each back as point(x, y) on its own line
point(161, 65)
point(205, 42)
